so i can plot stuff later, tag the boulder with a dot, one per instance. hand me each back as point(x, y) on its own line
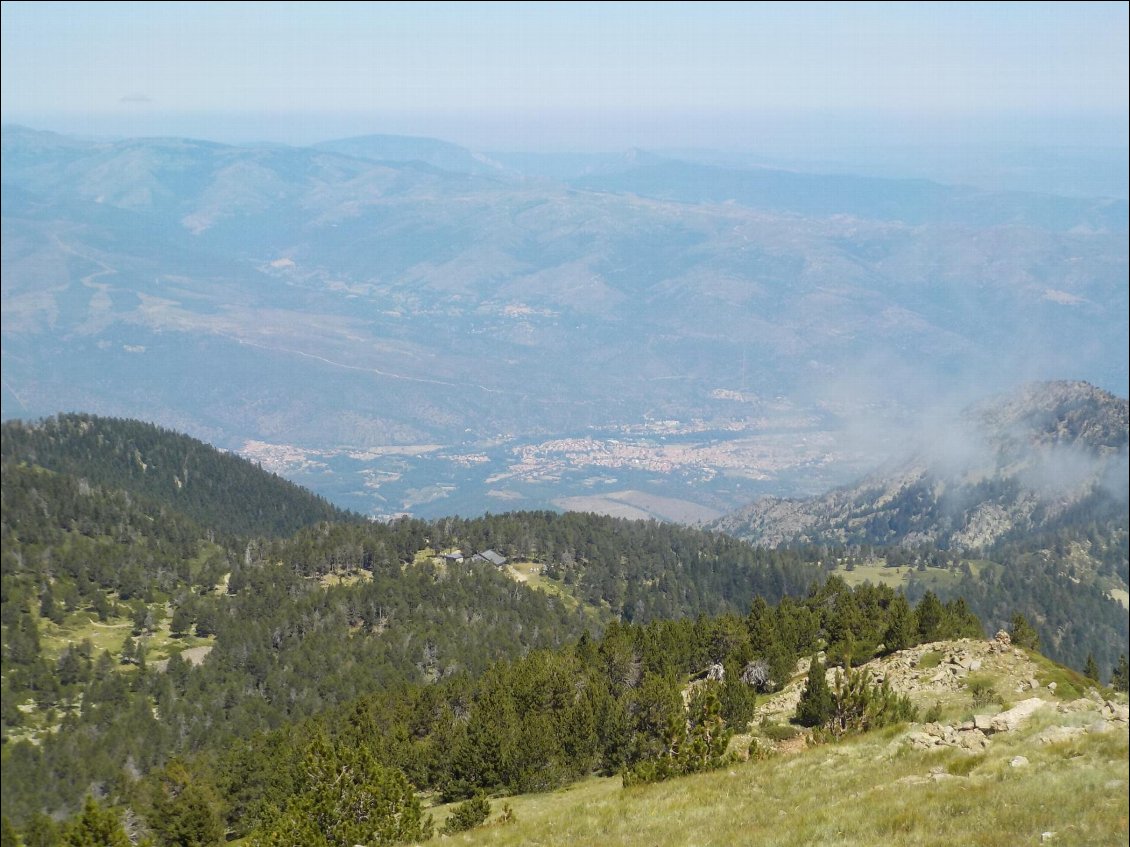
point(974, 740)
point(1009, 720)
point(1080, 705)
point(1056, 734)
point(1019, 762)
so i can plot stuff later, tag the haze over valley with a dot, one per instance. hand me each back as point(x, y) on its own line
point(408, 326)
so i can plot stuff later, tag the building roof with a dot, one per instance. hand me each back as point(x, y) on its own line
point(492, 557)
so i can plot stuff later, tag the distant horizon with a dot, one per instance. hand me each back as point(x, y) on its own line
point(799, 134)
point(772, 77)
point(1066, 160)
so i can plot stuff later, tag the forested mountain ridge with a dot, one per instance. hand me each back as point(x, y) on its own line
point(222, 491)
point(129, 626)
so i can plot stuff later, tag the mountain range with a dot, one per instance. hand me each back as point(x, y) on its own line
point(408, 326)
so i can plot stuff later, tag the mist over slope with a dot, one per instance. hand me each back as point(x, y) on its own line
point(1018, 464)
point(405, 325)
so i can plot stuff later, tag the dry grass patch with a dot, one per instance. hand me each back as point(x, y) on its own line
point(871, 790)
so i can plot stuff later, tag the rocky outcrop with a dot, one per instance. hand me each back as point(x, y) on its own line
point(934, 735)
point(1011, 719)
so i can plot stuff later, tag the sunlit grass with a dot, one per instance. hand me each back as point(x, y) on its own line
point(111, 634)
point(533, 575)
point(872, 790)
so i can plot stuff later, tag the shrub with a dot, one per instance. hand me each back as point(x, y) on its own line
point(779, 732)
point(758, 752)
point(930, 660)
point(507, 815)
point(693, 743)
point(964, 765)
point(982, 691)
point(860, 705)
point(468, 814)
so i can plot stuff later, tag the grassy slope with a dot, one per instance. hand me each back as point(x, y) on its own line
point(533, 575)
point(850, 794)
point(874, 789)
point(877, 573)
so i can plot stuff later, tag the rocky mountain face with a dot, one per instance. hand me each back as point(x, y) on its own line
point(1020, 463)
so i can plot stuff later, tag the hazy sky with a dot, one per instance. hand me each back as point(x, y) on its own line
point(568, 74)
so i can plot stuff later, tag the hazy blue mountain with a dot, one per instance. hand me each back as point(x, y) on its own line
point(402, 148)
point(569, 166)
point(1068, 172)
point(914, 202)
point(403, 337)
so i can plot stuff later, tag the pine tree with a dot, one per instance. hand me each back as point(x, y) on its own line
point(1119, 675)
point(96, 827)
point(931, 617)
point(40, 831)
point(1091, 669)
point(1022, 633)
point(859, 704)
point(186, 813)
point(738, 699)
point(8, 837)
point(902, 626)
point(345, 797)
point(704, 747)
point(816, 701)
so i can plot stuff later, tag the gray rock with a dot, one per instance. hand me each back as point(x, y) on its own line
point(1080, 705)
point(973, 741)
point(1056, 734)
point(1011, 719)
point(1019, 762)
point(923, 741)
point(983, 722)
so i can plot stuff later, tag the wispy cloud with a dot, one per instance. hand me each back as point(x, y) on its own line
point(135, 98)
